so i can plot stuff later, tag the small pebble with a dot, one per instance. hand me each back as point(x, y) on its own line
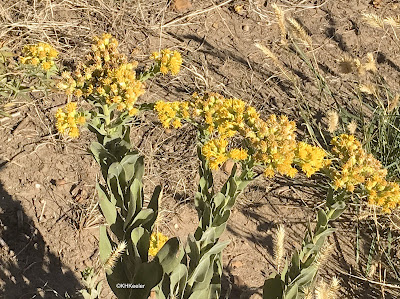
point(176, 226)
point(37, 186)
point(246, 28)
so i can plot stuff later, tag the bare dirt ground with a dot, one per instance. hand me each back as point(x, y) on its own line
point(49, 217)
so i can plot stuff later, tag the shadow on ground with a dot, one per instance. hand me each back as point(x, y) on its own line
point(28, 269)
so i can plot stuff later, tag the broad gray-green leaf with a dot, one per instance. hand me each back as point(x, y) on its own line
point(273, 288)
point(178, 279)
point(167, 255)
point(322, 219)
point(104, 244)
point(142, 217)
point(292, 292)
point(108, 209)
point(141, 238)
point(135, 200)
point(128, 163)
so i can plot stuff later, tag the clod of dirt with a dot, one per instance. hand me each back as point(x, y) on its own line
point(58, 183)
point(182, 5)
point(236, 264)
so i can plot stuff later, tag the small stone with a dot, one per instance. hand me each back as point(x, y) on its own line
point(176, 226)
point(38, 186)
point(11, 253)
point(246, 28)
point(36, 246)
point(182, 5)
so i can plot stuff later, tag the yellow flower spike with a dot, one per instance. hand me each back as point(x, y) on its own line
point(68, 120)
point(169, 61)
point(310, 158)
point(356, 167)
point(238, 154)
point(39, 54)
point(157, 241)
point(133, 111)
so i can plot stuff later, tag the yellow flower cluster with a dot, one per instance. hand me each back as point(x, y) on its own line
point(310, 158)
point(238, 154)
point(168, 61)
point(157, 241)
point(68, 120)
point(215, 151)
point(39, 54)
point(268, 142)
point(274, 144)
point(357, 167)
point(171, 113)
point(106, 75)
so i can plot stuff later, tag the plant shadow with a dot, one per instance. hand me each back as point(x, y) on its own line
point(28, 268)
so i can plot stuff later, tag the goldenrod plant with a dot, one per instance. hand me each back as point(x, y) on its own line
point(137, 258)
point(92, 286)
point(110, 84)
point(35, 70)
point(299, 275)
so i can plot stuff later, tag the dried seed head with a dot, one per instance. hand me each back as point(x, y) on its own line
point(115, 255)
point(333, 121)
point(392, 21)
point(323, 254)
point(394, 103)
point(367, 88)
point(372, 270)
point(333, 288)
point(299, 32)
point(279, 248)
point(322, 290)
point(352, 127)
point(269, 54)
point(373, 20)
point(370, 64)
point(308, 294)
point(346, 64)
point(280, 16)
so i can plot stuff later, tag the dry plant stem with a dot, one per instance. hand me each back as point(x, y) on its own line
point(196, 13)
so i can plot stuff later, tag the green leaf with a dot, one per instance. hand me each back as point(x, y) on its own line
point(322, 219)
point(129, 163)
point(292, 292)
point(193, 252)
point(142, 217)
point(104, 244)
point(141, 238)
point(200, 272)
point(178, 279)
point(153, 204)
point(273, 288)
point(306, 276)
point(339, 207)
point(107, 208)
point(135, 201)
point(167, 255)
point(149, 275)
